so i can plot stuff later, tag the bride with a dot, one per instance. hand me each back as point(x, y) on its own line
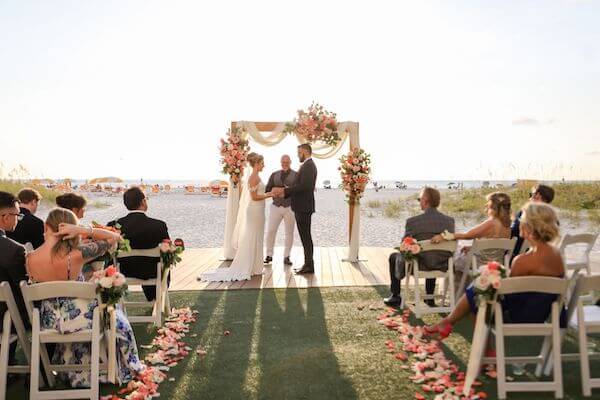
point(249, 229)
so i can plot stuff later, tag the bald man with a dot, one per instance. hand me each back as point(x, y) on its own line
point(281, 210)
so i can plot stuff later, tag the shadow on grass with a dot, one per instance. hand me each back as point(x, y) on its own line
point(304, 366)
point(222, 373)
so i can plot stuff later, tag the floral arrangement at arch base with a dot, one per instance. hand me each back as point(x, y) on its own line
point(315, 125)
point(354, 170)
point(234, 152)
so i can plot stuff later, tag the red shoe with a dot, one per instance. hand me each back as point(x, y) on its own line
point(442, 330)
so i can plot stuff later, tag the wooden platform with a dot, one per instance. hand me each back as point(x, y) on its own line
point(330, 270)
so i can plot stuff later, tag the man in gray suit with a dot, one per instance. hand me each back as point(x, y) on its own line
point(422, 227)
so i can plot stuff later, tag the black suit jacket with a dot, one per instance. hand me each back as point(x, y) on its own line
point(29, 229)
point(302, 192)
point(143, 232)
point(12, 270)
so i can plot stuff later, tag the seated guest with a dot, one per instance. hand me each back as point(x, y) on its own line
point(30, 229)
point(61, 258)
point(539, 193)
point(496, 226)
point(539, 225)
point(12, 258)
point(73, 202)
point(143, 232)
point(422, 227)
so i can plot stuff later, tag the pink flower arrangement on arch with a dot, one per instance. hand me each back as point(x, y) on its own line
point(355, 168)
point(234, 152)
point(315, 125)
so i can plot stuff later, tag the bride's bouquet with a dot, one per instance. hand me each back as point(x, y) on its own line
point(315, 124)
point(234, 152)
point(487, 281)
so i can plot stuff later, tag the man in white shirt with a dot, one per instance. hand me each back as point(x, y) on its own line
point(281, 210)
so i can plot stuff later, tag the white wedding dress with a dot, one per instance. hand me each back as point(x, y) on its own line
point(249, 231)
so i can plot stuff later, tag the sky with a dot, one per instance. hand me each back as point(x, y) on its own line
point(442, 90)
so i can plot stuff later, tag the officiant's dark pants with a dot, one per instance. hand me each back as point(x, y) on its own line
point(303, 221)
point(398, 272)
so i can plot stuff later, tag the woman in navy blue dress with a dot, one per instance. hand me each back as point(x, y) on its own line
point(539, 226)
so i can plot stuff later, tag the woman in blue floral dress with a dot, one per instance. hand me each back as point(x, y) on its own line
point(61, 258)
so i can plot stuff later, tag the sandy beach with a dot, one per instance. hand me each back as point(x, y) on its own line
point(199, 219)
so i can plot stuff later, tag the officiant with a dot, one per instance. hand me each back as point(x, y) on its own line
point(281, 210)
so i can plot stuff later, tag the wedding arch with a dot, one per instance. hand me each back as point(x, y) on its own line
point(271, 134)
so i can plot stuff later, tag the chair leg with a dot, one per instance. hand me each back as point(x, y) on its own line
point(545, 355)
point(95, 357)
point(158, 305)
point(556, 349)
point(584, 360)
point(4, 350)
point(461, 285)
point(451, 286)
point(34, 376)
point(417, 294)
point(500, 359)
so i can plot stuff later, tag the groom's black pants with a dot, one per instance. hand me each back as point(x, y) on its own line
point(303, 220)
point(398, 272)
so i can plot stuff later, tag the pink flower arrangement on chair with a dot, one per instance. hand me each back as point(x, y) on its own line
point(111, 284)
point(409, 248)
point(487, 280)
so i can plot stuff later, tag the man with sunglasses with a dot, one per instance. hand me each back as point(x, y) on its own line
point(30, 228)
point(12, 257)
point(539, 193)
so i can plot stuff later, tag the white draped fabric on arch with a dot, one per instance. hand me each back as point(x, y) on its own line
point(271, 134)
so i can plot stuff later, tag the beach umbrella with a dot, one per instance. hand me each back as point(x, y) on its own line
point(42, 181)
point(106, 179)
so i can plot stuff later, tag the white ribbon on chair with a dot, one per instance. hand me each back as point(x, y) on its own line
point(480, 338)
point(110, 337)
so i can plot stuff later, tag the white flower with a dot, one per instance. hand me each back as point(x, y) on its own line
point(106, 282)
point(119, 280)
point(164, 247)
point(482, 282)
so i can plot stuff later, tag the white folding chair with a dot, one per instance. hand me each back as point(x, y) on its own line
point(40, 337)
point(583, 320)
point(413, 268)
point(479, 245)
point(577, 261)
point(161, 305)
point(11, 317)
point(548, 329)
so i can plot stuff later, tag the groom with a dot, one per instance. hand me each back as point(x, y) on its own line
point(302, 194)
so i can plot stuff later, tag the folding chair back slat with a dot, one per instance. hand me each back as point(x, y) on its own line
point(51, 290)
point(551, 330)
point(161, 303)
point(448, 275)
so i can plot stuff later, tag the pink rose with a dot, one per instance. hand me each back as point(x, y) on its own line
point(119, 280)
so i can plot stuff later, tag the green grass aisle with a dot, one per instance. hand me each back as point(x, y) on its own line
point(301, 344)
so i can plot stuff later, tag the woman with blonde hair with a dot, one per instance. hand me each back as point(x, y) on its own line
point(61, 258)
point(539, 225)
point(496, 226)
